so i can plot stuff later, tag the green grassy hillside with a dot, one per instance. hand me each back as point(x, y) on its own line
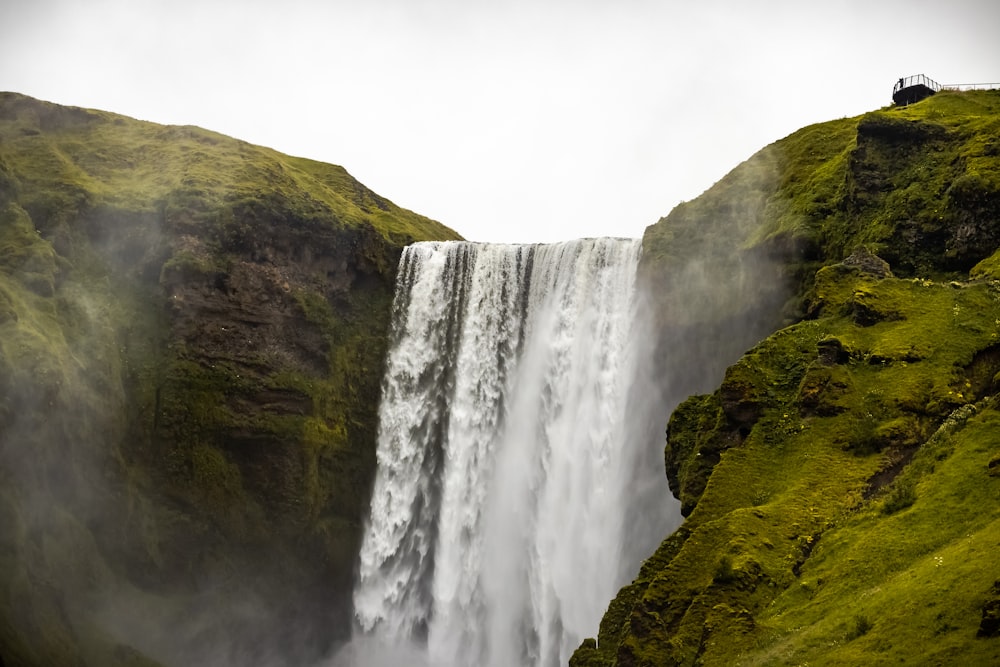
point(192, 332)
point(841, 479)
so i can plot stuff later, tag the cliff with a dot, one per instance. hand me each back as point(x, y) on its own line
point(192, 332)
point(839, 478)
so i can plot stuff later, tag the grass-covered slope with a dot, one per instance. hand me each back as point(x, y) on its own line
point(841, 479)
point(192, 330)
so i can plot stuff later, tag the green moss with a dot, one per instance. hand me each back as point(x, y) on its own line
point(187, 264)
point(212, 471)
point(103, 159)
point(901, 495)
point(859, 627)
point(62, 419)
point(25, 255)
point(923, 563)
point(819, 420)
point(987, 269)
point(918, 185)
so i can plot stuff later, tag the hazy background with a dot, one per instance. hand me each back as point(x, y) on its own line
point(507, 120)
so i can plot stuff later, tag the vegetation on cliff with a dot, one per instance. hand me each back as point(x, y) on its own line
point(841, 484)
point(192, 332)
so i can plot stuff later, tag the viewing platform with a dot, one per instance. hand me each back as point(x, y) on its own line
point(912, 89)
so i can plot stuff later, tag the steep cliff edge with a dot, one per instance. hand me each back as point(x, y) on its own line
point(192, 331)
point(840, 478)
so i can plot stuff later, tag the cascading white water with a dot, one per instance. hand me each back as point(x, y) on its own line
point(512, 448)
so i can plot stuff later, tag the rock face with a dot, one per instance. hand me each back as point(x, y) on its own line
point(192, 332)
point(834, 464)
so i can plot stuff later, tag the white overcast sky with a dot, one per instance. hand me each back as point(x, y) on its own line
point(507, 120)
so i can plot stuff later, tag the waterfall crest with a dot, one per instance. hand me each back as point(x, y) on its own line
point(512, 448)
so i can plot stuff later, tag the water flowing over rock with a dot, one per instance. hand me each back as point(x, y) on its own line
point(513, 449)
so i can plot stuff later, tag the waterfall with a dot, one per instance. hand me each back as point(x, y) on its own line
point(514, 446)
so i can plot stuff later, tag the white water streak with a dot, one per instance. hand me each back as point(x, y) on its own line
point(506, 457)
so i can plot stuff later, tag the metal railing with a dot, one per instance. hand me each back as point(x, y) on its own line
point(970, 86)
point(923, 80)
point(916, 80)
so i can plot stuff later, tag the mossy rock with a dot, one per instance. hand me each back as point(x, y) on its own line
point(825, 390)
point(987, 269)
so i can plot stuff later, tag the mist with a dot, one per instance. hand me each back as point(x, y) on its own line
point(64, 447)
point(103, 561)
